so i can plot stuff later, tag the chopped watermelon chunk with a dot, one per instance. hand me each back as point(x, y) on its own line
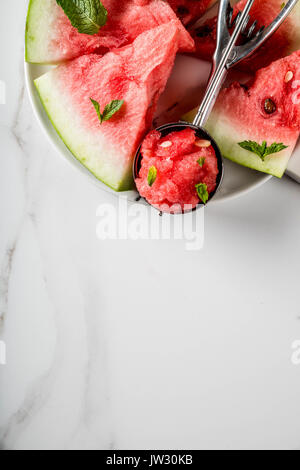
point(51, 39)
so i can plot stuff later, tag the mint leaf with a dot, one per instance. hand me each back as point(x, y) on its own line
point(152, 175)
point(109, 110)
point(201, 161)
point(252, 147)
point(275, 148)
point(264, 146)
point(87, 16)
point(97, 108)
point(202, 192)
point(262, 150)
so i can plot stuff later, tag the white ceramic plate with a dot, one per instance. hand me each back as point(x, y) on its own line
point(183, 93)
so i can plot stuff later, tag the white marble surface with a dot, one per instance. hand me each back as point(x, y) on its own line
point(121, 344)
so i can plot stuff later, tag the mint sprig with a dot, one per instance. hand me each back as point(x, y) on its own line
point(262, 150)
point(152, 175)
point(87, 16)
point(110, 109)
point(202, 192)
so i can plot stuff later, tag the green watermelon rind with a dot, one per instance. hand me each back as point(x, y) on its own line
point(228, 139)
point(123, 184)
point(27, 29)
point(29, 38)
point(33, 27)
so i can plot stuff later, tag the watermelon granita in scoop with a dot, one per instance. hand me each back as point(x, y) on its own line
point(51, 38)
point(178, 171)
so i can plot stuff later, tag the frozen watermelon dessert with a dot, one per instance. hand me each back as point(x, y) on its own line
point(178, 171)
point(285, 41)
point(257, 125)
point(81, 98)
point(190, 11)
point(51, 38)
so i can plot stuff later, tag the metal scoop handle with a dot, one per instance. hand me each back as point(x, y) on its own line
point(227, 54)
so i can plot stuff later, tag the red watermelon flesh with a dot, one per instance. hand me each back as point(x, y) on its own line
point(190, 11)
point(285, 41)
point(240, 114)
point(138, 74)
point(50, 37)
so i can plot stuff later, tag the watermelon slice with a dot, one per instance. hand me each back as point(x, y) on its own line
point(51, 39)
point(137, 74)
point(190, 11)
point(285, 41)
point(268, 109)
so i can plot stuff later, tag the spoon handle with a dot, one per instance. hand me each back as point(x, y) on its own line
point(224, 50)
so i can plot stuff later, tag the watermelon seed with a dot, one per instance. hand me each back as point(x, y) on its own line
point(166, 144)
point(246, 87)
point(182, 10)
point(289, 76)
point(203, 31)
point(269, 106)
point(203, 143)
